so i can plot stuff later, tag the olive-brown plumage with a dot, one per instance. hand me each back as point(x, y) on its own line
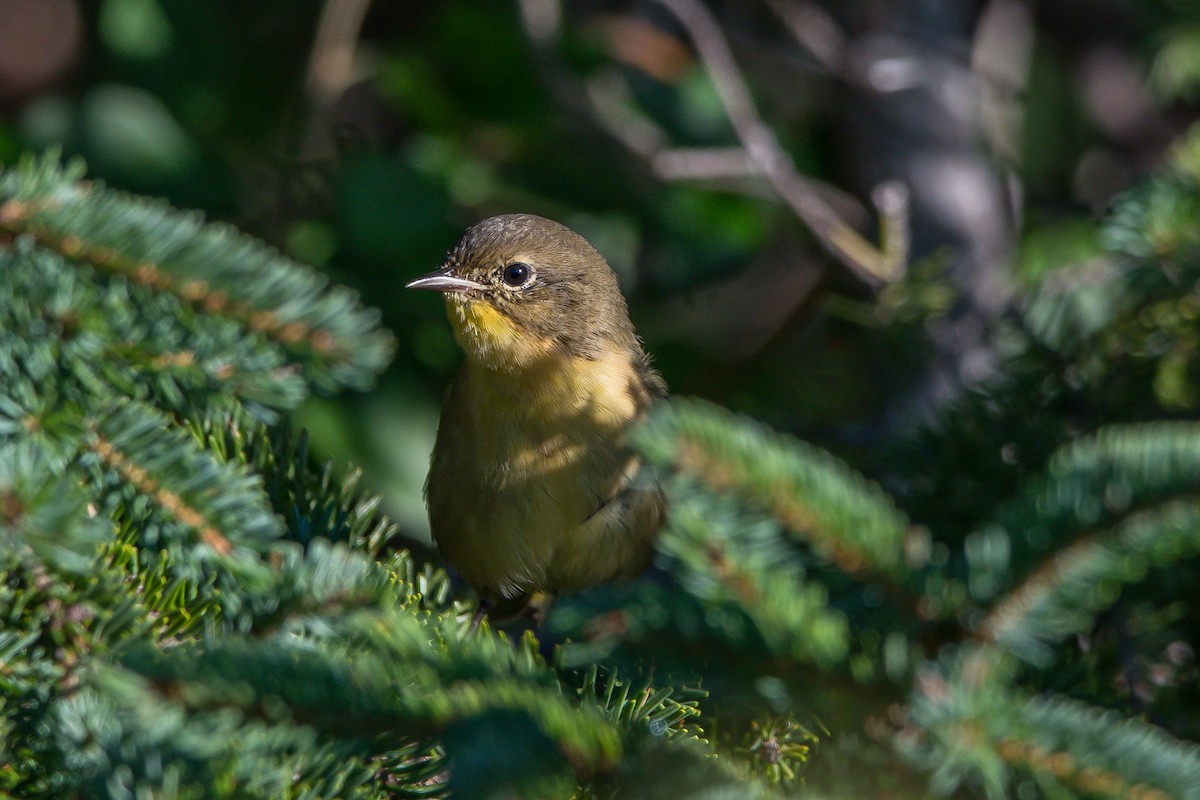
point(532, 485)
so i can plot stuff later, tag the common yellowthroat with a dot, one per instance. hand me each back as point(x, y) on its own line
point(532, 486)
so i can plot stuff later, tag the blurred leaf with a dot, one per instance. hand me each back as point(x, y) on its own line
point(1061, 244)
point(134, 28)
point(1175, 72)
point(130, 132)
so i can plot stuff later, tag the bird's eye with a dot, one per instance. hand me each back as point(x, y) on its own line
point(517, 274)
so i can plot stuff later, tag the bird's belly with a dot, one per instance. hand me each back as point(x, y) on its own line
point(503, 541)
point(523, 472)
point(540, 518)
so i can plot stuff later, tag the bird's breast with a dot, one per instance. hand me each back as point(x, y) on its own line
point(524, 460)
point(553, 399)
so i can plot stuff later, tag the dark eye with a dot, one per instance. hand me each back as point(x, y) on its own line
point(517, 274)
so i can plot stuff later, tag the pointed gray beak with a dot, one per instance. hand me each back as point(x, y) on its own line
point(441, 281)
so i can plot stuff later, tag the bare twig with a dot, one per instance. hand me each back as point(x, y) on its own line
point(1001, 57)
point(607, 99)
point(542, 19)
point(893, 202)
point(611, 104)
point(704, 163)
point(815, 30)
point(873, 265)
point(331, 61)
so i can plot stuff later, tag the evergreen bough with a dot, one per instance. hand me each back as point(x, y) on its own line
point(190, 608)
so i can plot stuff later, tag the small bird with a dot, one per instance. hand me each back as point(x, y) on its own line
point(533, 488)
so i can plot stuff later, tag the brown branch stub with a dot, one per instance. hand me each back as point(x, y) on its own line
point(180, 359)
point(170, 502)
point(11, 508)
point(13, 211)
point(894, 203)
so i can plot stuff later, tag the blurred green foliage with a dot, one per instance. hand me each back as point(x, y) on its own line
point(205, 105)
point(452, 114)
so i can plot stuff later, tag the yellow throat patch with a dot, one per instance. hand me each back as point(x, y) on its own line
point(487, 334)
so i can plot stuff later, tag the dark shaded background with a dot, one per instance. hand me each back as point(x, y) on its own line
point(363, 138)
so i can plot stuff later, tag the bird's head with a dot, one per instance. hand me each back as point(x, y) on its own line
point(521, 288)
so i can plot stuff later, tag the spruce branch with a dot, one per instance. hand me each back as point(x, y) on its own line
point(179, 608)
point(120, 738)
point(848, 520)
point(210, 267)
point(1087, 486)
point(219, 502)
point(682, 769)
point(46, 516)
point(1155, 222)
point(313, 586)
point(1135, 302)
point(641, 708)
point(33, 674)
point(312, 502)
point(730, 561)
point(72, 334)
point(1066, 593)
point(392, 680)
point(776, 748)
point(975, 722)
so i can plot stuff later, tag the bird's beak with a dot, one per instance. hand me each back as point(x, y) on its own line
point(442, 281)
